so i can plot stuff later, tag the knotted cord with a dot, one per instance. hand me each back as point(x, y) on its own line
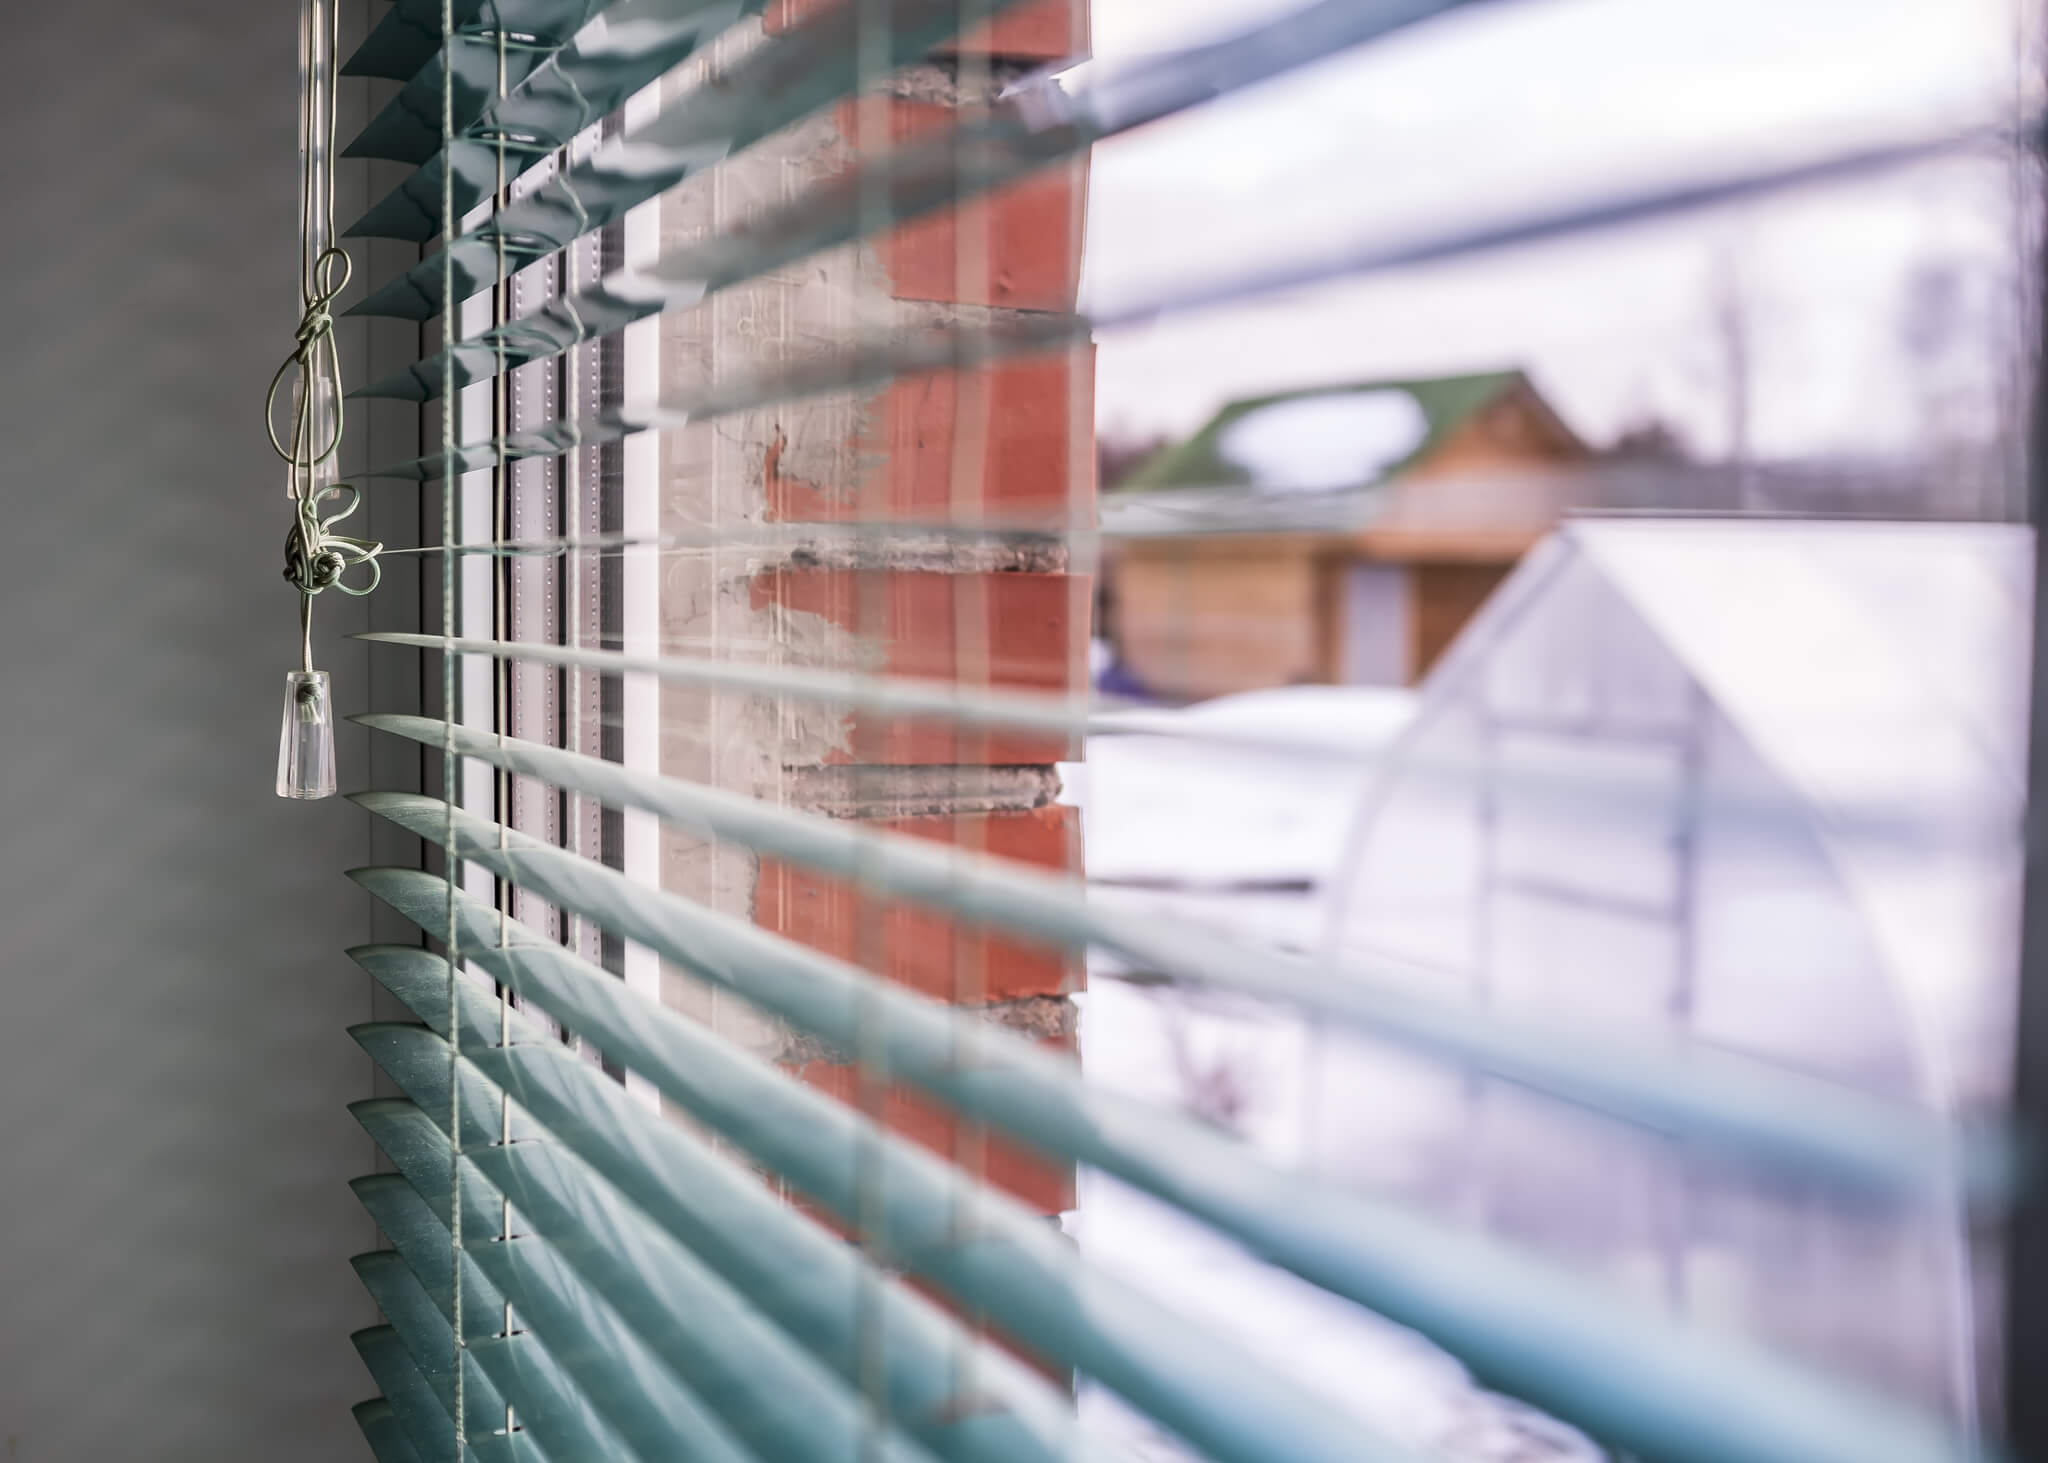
point(315, 557)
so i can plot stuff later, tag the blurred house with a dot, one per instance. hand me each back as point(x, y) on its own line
point(1339, 534)
point(1346, 534)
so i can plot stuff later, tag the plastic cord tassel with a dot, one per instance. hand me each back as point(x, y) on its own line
point(315, 557)
point(305, 743)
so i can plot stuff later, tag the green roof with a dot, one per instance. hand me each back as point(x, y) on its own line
point(1447, 402)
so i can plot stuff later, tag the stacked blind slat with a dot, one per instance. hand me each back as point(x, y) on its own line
point(633, 1286)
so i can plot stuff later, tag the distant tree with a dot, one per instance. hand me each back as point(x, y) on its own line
point(1215, 1085)
point(1649, 439)
point(1734, 327)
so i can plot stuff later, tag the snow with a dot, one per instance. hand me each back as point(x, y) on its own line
point(1395, 1384)
point(1339, 719)
point(1279, 774)
point(1323, 443)
point(1780, 821)
point(1253, 790)
point(1241, 1065)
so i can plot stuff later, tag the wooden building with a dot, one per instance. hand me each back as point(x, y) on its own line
point(1341, 534)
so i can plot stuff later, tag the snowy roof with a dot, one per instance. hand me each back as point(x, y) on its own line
point(1325, 438)
point(1251, 790)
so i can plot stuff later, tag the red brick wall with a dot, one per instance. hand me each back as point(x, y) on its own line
point(976, 629)
point(1002, 434)
point(926, 950)
point(1045, 30)
point(1010, 441)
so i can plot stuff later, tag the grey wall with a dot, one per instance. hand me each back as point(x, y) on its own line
point(174, 1221)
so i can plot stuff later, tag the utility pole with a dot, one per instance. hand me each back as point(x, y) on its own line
point(1732, 329)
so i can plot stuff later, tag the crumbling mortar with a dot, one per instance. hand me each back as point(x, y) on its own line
point(943, 80)
point(1038, 1018)
point(888, 793)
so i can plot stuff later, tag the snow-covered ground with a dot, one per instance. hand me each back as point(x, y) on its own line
point(1249, 792)
point(1229, 815)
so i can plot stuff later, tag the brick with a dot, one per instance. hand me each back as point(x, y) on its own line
point(1047, 30)
point(1013, 441)
point(1050, 30)
point(1044, 1183)
point(1026, 237)
point(976, 629)
point(919, 947)
point(971, 1316)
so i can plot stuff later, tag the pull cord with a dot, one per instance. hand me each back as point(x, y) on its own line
point(316, 557)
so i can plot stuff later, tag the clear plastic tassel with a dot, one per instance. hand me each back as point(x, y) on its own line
point(305, 744)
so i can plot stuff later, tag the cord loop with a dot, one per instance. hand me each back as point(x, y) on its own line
point(316, 558)
point(318, 364)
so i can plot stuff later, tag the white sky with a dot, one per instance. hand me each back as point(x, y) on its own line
point(1522, 102)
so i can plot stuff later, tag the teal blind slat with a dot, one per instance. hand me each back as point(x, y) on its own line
point(408, 129)
point(420, 1410)
point(810, 1283)
point(884, 358)
point(627, 1287)
point(630, 44)
point(637, 1394)
point(907, 185)
point(1018, 139)
point(548, 1406)
point(427, 1335)
point(1632, 1377)
point(785, 78)
point(775, 1398)
point(407, 41)
point(423, 1241)
point(407, 38)
point(900, 696)
point(411, 212)
point(384, 1433)
point(625, 47)
point(1025, 1278)
point(652, 1415)
point(519, 1368)
point(1755, 1112)
point(878, 363)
